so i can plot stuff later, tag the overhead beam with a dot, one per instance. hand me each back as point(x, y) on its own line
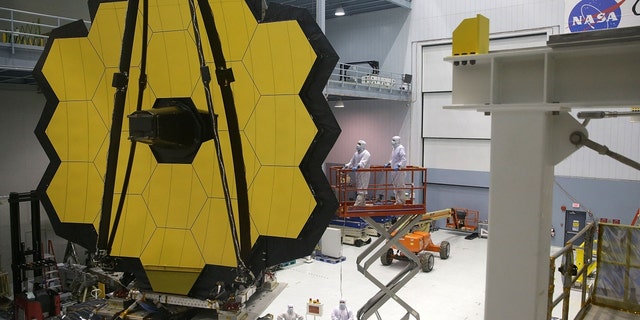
point(401, 3)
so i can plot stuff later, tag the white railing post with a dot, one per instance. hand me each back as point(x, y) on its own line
point(13, 49)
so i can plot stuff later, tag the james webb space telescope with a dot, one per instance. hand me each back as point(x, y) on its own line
point(195, 205)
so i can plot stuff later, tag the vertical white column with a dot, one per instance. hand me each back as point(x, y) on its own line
point(320, 14)
point(520, 203)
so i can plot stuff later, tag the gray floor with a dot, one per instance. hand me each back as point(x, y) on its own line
point(454, 289)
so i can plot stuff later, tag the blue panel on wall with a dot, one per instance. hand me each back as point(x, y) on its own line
point(600, 198)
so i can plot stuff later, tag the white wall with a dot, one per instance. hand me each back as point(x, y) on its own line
point(432, 22)
point(459, 144)
point(374, 121)
point(619, 134)
point(455, 139)
point(436, 19)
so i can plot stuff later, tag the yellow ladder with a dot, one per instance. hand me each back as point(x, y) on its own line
point(51, 274)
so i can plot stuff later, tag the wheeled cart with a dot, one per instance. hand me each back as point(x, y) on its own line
point(354, 230)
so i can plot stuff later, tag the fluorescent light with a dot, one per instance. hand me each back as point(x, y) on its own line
point(339, 104)
point(339, 11)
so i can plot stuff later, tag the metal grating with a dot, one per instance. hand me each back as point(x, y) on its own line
point(351, 7)
point(12, 76)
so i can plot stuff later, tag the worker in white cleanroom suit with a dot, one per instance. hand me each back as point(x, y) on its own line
point(360, 160)
point(290, 314)
point(398, 161)
point(341, 312)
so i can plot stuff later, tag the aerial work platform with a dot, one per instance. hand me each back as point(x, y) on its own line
point(380, 201)
point(380, 192)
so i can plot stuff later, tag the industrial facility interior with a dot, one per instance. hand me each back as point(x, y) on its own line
point(319, 159)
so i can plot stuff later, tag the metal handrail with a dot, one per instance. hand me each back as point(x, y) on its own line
point(18, 27)
point(366, 78)
point(568, 280)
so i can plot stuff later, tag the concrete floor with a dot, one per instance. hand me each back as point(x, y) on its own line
point(453, 290)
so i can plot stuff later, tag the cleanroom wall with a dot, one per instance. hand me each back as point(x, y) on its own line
point(22, 164)
point(373, 121)
point(601, 184)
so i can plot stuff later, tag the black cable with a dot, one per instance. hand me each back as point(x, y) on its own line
point(142, 84)
point(228, 78)
point(225, 77)
point(120, 82)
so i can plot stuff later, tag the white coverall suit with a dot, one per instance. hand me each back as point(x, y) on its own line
point(290, 315)
point(360, 160)
point(397, 162)
point(342, 313)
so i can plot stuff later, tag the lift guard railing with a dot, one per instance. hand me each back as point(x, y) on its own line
point(380, 192)
point(568, 276)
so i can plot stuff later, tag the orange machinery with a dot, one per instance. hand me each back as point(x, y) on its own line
point(420, 243)
point(417, 244)
point(636, 218)
point(463, 220)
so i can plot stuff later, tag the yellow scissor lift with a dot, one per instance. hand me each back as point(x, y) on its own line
point(380, 202)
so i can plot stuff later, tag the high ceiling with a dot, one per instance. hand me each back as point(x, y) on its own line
point(351, 7)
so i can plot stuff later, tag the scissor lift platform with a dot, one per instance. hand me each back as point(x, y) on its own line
point(380, 201)
point(380, 192)
point(382, 210)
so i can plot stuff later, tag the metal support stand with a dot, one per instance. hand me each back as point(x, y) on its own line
point(529, 93)
point(18, 253)
point(387, 239)
point(39, 301)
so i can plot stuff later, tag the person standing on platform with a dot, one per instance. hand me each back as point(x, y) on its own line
point(360, 160)
point(397, 163)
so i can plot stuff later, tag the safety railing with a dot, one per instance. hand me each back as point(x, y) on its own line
point(369, 81)
point(570, 274)
point(28, 29)
point(381, 192)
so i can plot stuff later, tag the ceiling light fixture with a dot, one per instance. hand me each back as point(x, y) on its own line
point(339, 11)
point(339, 104)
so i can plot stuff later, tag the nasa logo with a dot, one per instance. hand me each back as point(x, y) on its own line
point(595, 15)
